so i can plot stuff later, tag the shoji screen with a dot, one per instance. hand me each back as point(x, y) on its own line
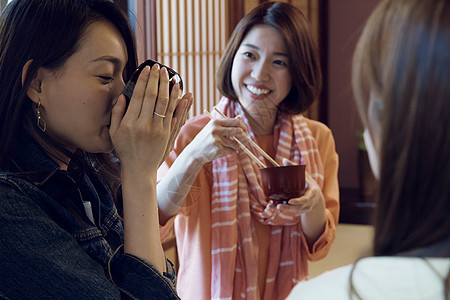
point(190, 38)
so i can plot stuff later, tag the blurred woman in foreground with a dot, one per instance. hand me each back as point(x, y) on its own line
point(401, 79)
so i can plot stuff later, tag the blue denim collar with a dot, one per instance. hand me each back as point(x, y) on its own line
point(33, 164)
point(30, 161)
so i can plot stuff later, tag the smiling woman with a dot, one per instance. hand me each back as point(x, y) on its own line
point(70, 153)
point(261, 76)
point(229, 235)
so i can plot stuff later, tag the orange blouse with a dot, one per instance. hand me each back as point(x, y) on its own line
point(192, 224)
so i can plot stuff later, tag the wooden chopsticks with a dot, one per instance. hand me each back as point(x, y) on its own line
point(272, 161)
point(248, 152)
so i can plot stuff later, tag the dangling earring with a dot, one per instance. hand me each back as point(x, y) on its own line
point(40, 122)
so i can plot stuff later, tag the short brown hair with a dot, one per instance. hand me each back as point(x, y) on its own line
point(304, 65)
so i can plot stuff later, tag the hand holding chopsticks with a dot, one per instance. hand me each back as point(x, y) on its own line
point(248, 152)
point(253, 143)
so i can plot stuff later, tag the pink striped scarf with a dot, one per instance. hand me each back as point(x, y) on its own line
point(237, 195)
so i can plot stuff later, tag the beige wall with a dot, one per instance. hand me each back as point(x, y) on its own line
point(352, 242)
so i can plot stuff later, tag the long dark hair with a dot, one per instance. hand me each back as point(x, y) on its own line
point(304, 63)
point(403, 59)
point(47, 32)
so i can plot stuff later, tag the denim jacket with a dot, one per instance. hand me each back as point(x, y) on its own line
point(50, 248)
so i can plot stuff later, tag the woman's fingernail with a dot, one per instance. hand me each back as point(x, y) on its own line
point(164, 71)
